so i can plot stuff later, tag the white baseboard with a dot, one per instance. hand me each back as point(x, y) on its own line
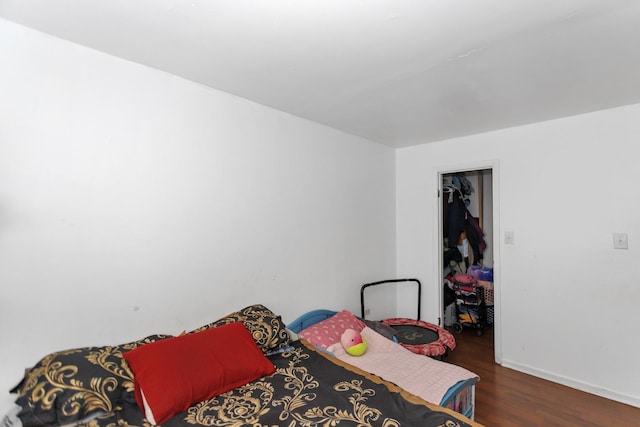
point(589, 388)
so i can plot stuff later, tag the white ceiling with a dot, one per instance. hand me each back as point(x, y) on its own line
point(400, 72)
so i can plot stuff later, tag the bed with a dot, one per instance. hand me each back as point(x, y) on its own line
point(435, 381)
point(262, 376)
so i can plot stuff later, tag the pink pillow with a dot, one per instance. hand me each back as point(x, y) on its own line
point(328, 332)
point(173, 374)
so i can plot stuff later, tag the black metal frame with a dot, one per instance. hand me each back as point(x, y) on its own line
point(366, 285)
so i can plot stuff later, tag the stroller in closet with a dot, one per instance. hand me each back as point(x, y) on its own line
point(470, 305)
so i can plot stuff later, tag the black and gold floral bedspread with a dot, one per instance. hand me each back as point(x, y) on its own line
point(306, 390)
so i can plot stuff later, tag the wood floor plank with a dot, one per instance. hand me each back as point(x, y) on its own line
point(505, 397)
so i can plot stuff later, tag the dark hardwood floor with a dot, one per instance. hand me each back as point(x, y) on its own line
point(505, 397)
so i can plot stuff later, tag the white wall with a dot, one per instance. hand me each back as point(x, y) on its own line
point(568, 299)
point(133, 202)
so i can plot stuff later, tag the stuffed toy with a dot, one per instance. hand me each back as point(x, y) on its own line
point(353, 343)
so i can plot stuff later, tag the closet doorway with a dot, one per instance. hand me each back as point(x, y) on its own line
point(468, 217)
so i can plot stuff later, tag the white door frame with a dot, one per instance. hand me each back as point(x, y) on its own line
point(497, 284)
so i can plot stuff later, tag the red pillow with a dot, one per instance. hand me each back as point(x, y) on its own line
point(173, 374)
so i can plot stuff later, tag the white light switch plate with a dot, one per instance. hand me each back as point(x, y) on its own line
point(509, 238)
point(620, 241)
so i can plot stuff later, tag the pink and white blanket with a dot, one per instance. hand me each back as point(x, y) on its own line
point(421, 375)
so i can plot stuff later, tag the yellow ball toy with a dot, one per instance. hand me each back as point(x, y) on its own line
point(353, 343)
